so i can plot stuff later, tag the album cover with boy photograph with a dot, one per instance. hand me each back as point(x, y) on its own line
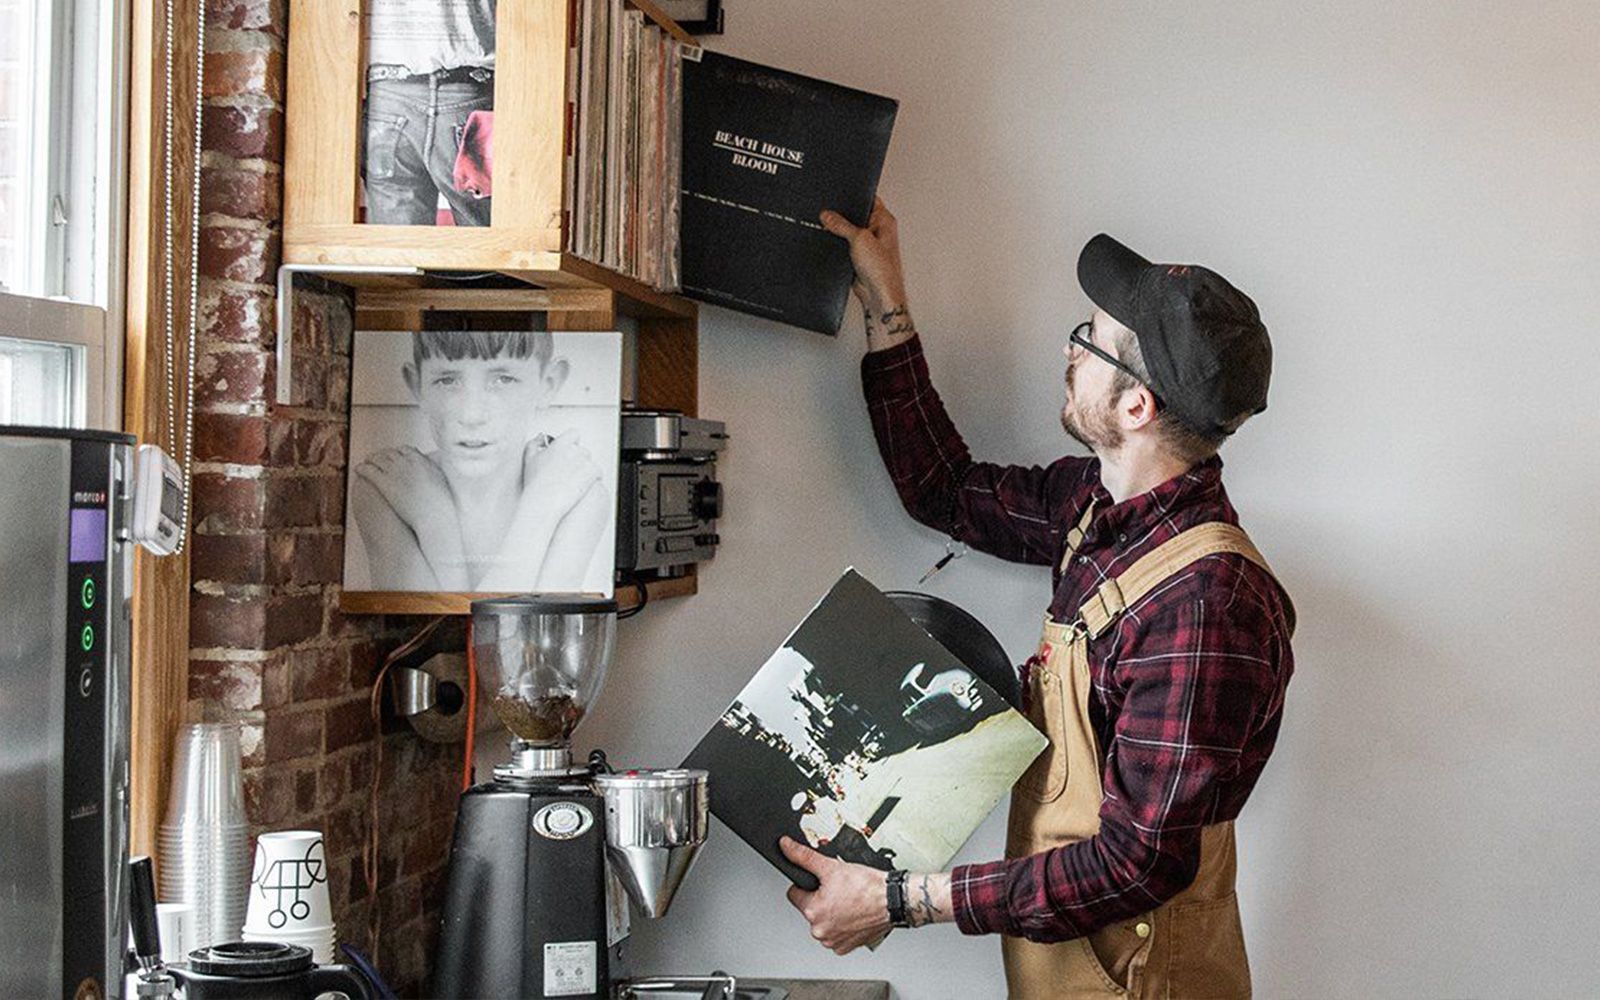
point(483, 462)
point(865, 738)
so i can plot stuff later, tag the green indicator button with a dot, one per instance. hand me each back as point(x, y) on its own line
point(87, 638)
point(88, 592)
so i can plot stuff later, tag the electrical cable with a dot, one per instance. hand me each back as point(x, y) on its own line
point(472, 710)
point(644, 598)
point(370, 853)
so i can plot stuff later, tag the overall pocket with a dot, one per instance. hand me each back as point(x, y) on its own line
point(1113, 950)
point(1207, 958)
point(1046, 777)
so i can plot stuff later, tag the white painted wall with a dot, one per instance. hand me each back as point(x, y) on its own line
point(1410, 193)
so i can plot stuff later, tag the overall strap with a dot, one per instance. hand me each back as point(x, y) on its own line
point(1075, 536)
point(1158, 565)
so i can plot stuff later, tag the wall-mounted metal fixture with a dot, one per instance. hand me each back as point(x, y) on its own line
point(285, 311)
point(428, 686)
point(415, 690)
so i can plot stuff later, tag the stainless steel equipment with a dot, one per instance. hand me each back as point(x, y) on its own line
point(65, 576)
point(526, 901)
point(717, 986)
point(656, 821)
point(668, 495)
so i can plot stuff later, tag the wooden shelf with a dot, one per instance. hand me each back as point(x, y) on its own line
point(524, 241)
point(525, 237)
point(384, 602)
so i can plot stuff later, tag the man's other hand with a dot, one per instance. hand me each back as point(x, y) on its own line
point(850, 907)
point(875, 253)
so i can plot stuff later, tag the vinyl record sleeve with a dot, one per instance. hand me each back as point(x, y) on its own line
point(865, 738)
point(764, 152)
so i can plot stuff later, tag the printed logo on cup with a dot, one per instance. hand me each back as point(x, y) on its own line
point(289, 880)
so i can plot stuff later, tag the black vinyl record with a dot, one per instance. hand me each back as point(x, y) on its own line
point(963, 635)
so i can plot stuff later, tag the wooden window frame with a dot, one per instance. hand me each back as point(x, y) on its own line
point(161, 586)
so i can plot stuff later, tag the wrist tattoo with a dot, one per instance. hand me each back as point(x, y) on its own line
point(920, 909)
point(889, 323)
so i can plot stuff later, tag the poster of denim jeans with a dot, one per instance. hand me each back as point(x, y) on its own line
point(428, 118)
point(483, 462)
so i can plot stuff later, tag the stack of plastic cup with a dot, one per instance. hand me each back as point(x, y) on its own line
point(204, 842)
point(289, 894)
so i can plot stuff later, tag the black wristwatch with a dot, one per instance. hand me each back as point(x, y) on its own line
point(895, 885)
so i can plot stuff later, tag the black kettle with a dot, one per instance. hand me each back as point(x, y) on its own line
point(238, 970)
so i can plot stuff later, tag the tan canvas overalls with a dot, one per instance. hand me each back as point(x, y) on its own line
point(1192, 946)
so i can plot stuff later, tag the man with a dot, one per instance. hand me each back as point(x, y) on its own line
point(430, 67)
point(1161, 674)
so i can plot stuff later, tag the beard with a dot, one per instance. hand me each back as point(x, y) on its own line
point(1091, 426)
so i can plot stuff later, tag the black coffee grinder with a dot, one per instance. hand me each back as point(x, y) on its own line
point(530, 885)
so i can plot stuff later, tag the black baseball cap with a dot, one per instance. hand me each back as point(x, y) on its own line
point(1207, 352)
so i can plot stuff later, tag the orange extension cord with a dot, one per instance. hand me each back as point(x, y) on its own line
point(472, 710)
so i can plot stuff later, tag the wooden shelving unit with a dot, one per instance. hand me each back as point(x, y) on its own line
point(524, 241)
point(395, 602)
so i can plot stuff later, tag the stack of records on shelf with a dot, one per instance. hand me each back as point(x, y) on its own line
point(622, 168)
point(698, 173)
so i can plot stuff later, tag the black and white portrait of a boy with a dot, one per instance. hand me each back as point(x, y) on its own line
point(483, 461)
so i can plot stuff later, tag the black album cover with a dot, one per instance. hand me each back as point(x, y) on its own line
point(764, 152)
point(865, 738)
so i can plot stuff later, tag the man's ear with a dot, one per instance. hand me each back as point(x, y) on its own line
point(555, 375)
point(1138, 408)
point(408, 371)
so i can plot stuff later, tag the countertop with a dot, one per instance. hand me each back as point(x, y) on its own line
point(827, 989)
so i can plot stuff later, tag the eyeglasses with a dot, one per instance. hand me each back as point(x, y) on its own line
point(1080, 336)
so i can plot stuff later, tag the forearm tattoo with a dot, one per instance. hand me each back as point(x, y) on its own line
point(888, 324)
point(920, 910)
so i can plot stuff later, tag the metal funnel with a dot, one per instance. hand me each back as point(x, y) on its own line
point(656, 821)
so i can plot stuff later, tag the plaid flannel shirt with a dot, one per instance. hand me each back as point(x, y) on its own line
point(1187, 688)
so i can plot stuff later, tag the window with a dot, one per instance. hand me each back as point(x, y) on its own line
point(62, 132)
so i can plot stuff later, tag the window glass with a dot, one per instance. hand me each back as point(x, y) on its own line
point(17, 73)
point(40, 383)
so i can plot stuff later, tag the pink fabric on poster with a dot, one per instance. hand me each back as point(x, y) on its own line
point(475, 159)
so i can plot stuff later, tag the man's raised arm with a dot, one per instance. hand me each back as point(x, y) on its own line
point(1014, 512)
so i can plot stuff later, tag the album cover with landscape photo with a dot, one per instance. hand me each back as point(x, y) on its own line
point(865, 738)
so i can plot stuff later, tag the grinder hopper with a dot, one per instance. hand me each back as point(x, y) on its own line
point(543, 659)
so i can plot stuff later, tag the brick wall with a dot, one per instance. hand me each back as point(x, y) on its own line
point(268, 644)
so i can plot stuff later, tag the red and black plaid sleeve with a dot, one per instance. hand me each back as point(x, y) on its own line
point(1011, 511)
point(1203, 664)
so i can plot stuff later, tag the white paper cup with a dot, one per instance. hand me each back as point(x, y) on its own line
point(176, 922)
point(323, 945)
point(289, 884)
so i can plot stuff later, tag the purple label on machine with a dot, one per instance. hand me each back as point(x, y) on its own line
point(88, 535)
